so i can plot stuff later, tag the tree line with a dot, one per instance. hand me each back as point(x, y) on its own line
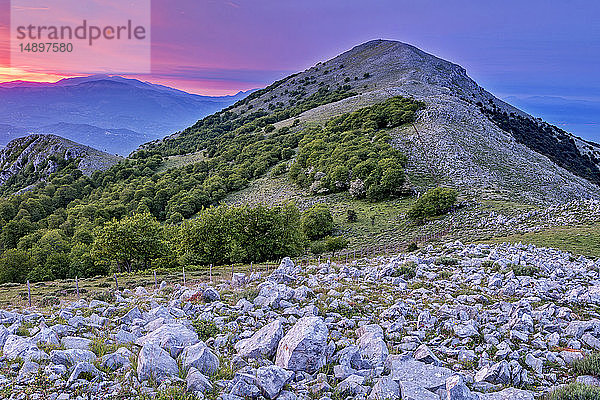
point(219, 235)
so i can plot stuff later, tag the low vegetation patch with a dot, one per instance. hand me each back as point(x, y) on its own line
point(205, 329)
point(406, 271)
point(447, 261)
point(575, 391)
point(588, 365)
point(172, 393)
point(101, 347)
point(524, 270)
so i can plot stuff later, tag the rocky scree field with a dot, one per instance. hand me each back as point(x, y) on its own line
point(488, 322)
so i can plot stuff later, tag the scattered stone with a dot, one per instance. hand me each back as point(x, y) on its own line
point(272, 379)
point(200, 357)
point(155, 363)
point(263, 344)
point(304, 347)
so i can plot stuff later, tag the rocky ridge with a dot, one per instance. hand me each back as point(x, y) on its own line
point(453, 322)
point(31, 154)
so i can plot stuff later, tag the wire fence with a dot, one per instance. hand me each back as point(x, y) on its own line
point(225, 274)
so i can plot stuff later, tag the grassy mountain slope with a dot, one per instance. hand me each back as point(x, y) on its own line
point(458, 139)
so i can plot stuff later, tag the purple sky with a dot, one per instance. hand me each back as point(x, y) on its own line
point(535, 52)
point(546, 45)
point(544, 55)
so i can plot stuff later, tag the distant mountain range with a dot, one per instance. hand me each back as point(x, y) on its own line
point(110, 113)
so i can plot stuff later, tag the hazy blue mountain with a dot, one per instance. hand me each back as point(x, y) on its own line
point(110, 113)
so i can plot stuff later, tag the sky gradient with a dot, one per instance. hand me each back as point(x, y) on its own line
point(542, 55)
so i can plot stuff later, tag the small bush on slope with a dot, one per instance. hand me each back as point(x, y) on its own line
point(317, 222)
point(435, 202)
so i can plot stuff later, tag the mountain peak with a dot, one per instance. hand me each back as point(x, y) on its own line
point(464, 137)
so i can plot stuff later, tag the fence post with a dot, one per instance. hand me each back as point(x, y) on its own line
point(155, 281)
point(116, 282)
point(29, 292)
point(210, 273)
point(232, 272)
point(319, 262)
point(77, 285)
point(183, 268)
point(251, 267)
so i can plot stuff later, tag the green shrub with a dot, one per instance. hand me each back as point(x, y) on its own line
point(435, 202)
point(351, 216)
point(22, 330)
point(447, 261)
point(336, 243)
point(524, 270)
point(575, 391)
point(588, 365)
point(406, 271)
point(445, 274)
point(412, 247)
point(318, 247)
point(279, 169)
point(205, 329)
point(317, 222)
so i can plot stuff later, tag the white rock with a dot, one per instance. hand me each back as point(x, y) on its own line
point(304, 347)
point(156, 363)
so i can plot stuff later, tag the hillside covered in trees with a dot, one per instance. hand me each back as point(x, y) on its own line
point(133, 215)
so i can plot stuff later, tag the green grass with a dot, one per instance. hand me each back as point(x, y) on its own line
point(172, 393)
point(589, 365)
point(100, 347)
point(101, 287)
point(205, 329)
point(181, 160)
point(583, 240)
point(575, 391)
